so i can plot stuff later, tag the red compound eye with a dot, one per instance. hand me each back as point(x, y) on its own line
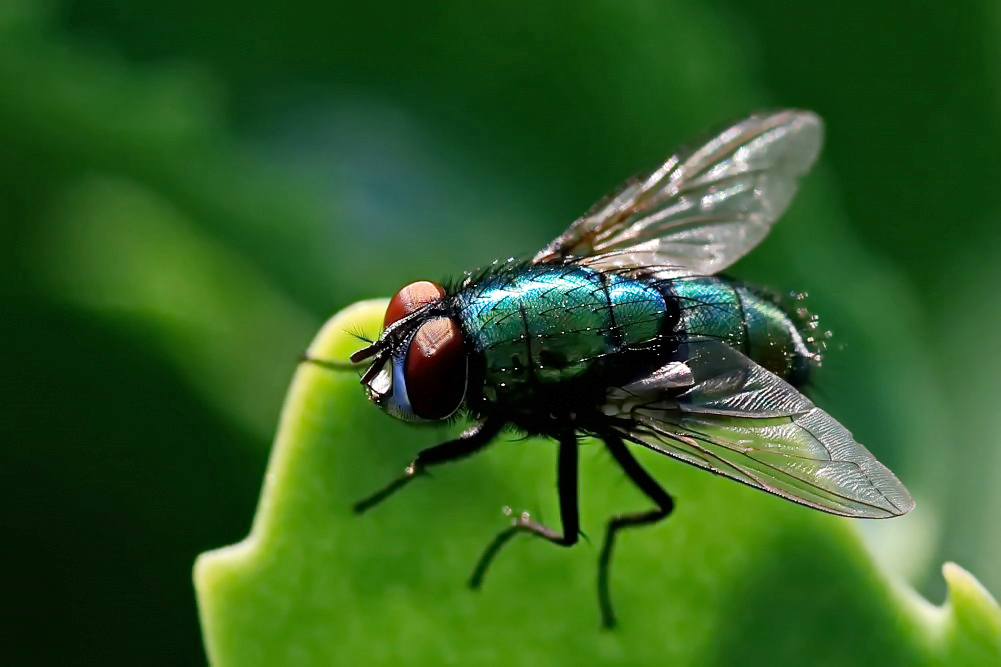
point(410, 298)
point(435, 370)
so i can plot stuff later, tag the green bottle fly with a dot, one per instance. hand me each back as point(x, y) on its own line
point(622, 330)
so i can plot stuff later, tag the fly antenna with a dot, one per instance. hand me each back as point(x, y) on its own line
point(366, 352)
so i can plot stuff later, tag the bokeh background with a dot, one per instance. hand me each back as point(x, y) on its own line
point(189, 188)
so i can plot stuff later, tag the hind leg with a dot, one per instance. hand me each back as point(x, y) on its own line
point(642, 479)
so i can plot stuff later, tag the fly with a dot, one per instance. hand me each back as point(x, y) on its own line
point(622, 330)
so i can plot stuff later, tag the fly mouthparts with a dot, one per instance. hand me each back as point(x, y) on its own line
point(369, 376)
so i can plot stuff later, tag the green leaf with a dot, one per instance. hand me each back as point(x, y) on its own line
point(733, 576)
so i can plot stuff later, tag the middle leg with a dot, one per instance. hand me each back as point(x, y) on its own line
point(566, 480)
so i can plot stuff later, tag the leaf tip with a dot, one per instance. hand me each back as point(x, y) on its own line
point(972, 617)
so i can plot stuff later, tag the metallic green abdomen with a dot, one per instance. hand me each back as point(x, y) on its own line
point(546, 325)
point(746, 321)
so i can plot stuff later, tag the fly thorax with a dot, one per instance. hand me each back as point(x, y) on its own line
point(553, 326)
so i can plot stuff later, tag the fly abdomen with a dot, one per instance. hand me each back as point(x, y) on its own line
point(717, 309)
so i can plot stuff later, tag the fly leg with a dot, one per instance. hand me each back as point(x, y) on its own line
point(566, 480)
point(641, 478)
point(470, 442)
point(329, 365)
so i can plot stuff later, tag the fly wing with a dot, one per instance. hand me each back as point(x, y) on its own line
point(722, 412)
point(704, 208)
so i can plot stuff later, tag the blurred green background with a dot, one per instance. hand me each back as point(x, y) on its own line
point(188, 189)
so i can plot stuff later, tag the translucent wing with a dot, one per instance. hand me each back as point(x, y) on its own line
point(703, 209)
point(722, 412)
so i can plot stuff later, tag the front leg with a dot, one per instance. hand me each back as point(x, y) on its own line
point(470, 442)
point(566, 480)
